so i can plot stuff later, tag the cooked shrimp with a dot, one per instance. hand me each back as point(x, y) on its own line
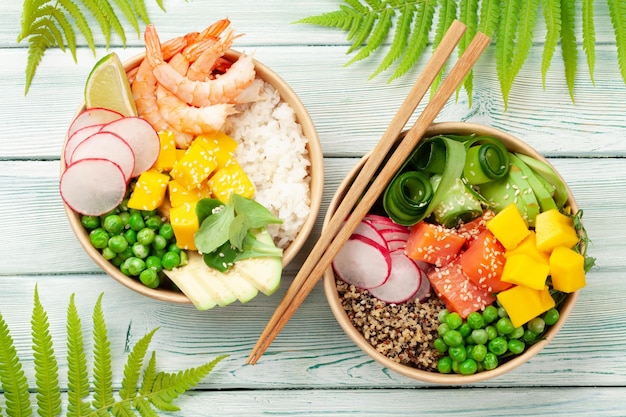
point(202, 68)
point(223, 89)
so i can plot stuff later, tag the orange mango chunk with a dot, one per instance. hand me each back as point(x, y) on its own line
point(554, 229)
point(220, 145)
point(528, 246)
point(194, 167)
point(523, 304)
point(167, 153)
point(523, 269)
point(509, 227)
point(149, 191)
point(231, 179)
point(567, 268)
point(185, 224)
point(179, 194)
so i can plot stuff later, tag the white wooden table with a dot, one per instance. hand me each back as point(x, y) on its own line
point(312, 368)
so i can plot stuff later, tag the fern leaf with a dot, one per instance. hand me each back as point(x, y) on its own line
point(402, 30)
point(134, 363)
point(505, 44)
point(363, 32)
point(102, 374)
point(552, 18)
point(140, 8)
point(101, 19)
point(617, 10)
point(144, 408)
point(378, 35)
point(78, 380)
point(569, 49)
point(36, 49)
point(357, 6)
point(128, 12)
point(489, 17)
point(30, 13)
point(468, 14)
point(14, 383)
point(80, 21)
point(46, 368)
point(111, 18)
point(338, 19)
point(149, 376)
point(589, 36)
point(447, 14)
point(524, 36)
point(418, 38)
point(123, 409)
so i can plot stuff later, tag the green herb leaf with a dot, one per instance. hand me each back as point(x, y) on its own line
point(215, 230)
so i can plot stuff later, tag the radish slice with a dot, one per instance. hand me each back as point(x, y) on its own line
point(109, 146)
point(363, 263)
point(76, 139)
point(367, 230)
point(393, 234)
point(396, 244)
point(93, 186)
point(382, 222)
point(404, 281)
point(424, 290)
point(141, 137)
point(93, 116)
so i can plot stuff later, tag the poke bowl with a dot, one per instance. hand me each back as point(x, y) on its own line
point(268, 153)
point(420, 303)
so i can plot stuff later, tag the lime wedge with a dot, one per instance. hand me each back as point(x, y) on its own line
point(107, 86)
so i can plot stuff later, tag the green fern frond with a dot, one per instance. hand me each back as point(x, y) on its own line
point(419, 38)
point(362, 32)
point(569, 49)
point(505, 44)
point(77, 375)
point(489, 17)
point(102, 373)
point(468, 14)
point(589, 36)
point(377, 36)
point(447, 14)
point(134, 363)
point(14, 382)
point(524, 37)
point(129, 14)
point(552, 18)
point(398, 44)
point(46, 368)
point(617, 10)
point(111, 18)
point(149, 376)
point(80, 21)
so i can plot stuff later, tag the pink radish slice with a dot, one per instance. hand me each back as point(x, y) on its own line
point(369, 231)
point(93, 186)
point(396, 244)
point(392, 234)
point(424, 289)
point(382, 222)
point(403, 282)
point(142, 138)
point(109, 146)
point(93, 116)
point(77, 137)
point(363, 263)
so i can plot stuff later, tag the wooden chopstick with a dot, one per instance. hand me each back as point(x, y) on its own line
point(346, 218)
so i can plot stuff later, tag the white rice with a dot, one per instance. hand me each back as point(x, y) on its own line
point(272, 151)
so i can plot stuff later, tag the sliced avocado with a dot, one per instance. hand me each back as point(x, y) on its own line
point(543, 195)
point(189, 279)
point(243, 289)
point(547, 172)
point(262, 272)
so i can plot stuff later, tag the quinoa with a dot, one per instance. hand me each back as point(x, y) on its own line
point(403, 333)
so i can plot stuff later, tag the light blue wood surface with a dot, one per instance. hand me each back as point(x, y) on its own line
point(312, 368)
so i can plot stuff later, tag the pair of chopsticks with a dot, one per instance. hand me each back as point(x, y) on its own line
point(347, 216)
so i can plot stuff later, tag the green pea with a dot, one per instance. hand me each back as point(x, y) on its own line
point(492, 333)
point(468, 367)
point(516, 346)
point(475, 320)
point(148, 213)
point(135, 221)
point(444, 365)
point(490, 362)
point(502, 312)
point(154, 222)
point(504, 326)
point(166, 231)
point(458, 353)
point(124, 205)
point(551, 316)
point(183, 258)
point(442, 315)
point(465, 330)
point(117, 261)
point(478, 353)
point(159, 242)
point(149, 278)
point(454, 320)
point(131, 236)
point(145, 236)
point(480, 336)
point(173, 248)
point(124, 268)
point(517, 333)
point(529, 336)
point(490, 314)
point(455, 367)
point(440, 345)
point(498, 346)
point(443, 329)
point(453, 338)
point(126, 254)
point(108, 254)
point(159, 252)
point(135, 265)
point(125, 216)
point(90, 222)
point(536, 325)
point(99, 238)
point(154, 262)
point(170, 260)
point(118, 244)
point(140, 251)
point(113, 224)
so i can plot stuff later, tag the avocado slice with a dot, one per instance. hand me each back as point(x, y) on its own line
point(543, 195)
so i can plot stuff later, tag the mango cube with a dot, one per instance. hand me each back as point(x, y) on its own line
point(179, 194)
point(193, 168)
point(523, 304)
point(167, 153)
point(508, 226)
point(567, 268)
point(220, 145)
point(554, 229)
point(523, 269)
point(231, 179)
point(149, 191)
point(185, 224)
point(528, 246)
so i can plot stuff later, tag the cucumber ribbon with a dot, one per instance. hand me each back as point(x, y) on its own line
point(487, 160)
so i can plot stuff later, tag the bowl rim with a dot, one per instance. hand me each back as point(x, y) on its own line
point(316, 185)
point(332, 296)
